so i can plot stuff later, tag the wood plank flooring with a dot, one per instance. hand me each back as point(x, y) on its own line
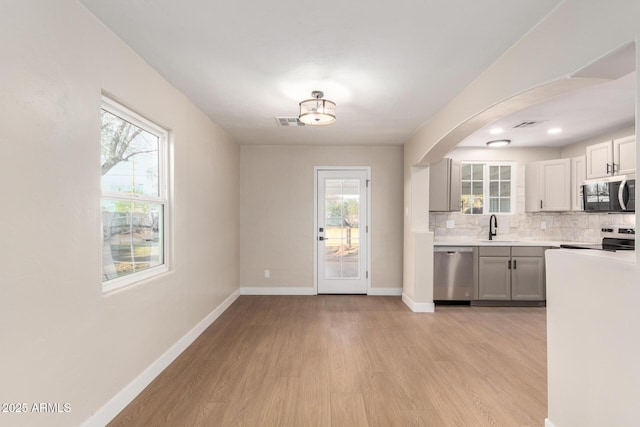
point(354, 361)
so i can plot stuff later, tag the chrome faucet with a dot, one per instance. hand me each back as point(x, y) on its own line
point(493, 224)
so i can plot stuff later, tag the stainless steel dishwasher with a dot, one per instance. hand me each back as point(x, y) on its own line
point(453, 273)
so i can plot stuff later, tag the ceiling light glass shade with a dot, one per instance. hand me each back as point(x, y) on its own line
point(499, 143)
point(317, 111)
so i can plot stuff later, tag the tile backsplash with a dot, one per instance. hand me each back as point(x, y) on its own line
point(566, 226)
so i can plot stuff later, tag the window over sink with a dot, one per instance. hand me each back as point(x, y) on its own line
point(487, 187)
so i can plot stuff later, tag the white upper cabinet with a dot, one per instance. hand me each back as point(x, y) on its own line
point(599, 160)
point(624, 155)
point(548, 186)
point(608, 158)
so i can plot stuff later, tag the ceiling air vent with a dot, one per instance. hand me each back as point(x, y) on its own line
point(527, 124)
point(288, 121)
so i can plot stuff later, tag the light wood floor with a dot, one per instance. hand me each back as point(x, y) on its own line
point(354, 361)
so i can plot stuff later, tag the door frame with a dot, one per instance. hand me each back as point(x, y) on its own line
point(367, 259)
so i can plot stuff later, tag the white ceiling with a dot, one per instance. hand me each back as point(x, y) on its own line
point(389, 65)
point(582, 114)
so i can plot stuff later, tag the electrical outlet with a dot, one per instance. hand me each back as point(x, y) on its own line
point(451, 223)
point(543, 225)
point(267, 274)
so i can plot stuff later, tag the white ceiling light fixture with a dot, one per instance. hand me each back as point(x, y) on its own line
point(554, 131)
point(317, 111)
point(498, 143)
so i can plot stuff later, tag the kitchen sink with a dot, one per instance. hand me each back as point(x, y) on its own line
point(500, 241)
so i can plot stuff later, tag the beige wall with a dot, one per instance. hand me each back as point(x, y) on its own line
point(277, 212)
point(63, 340)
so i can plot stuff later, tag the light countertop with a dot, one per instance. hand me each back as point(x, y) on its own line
point(498, 242)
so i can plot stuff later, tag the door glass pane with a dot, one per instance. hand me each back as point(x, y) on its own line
point(342, 232)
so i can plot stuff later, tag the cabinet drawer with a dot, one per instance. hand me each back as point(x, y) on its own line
point(527, 251)
point(494, 250)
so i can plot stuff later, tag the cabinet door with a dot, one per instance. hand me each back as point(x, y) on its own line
point(599, 160)
point(527, 279)
point(455, 200)
point(494, 278)
point(578, 175)
point(624, 155)
point(440, 186)
point(554, 178)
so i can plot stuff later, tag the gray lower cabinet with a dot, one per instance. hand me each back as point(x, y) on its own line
point(494, 279)
point(511, 273)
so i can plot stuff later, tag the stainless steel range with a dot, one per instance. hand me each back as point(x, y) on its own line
point(622, 239)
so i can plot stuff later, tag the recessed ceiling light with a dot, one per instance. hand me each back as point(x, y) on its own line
point(499, 143)
point(496, 131)
point(554, 131)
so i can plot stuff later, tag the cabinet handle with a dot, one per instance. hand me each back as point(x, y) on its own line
point(514, 264)
point(613, 168)
point(540, 204)
point(608, 167)
point(509, 265)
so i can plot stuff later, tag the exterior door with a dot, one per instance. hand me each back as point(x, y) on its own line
point(342, 231)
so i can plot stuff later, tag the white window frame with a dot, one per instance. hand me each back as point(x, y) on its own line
point(136, 119)
point(486, 186)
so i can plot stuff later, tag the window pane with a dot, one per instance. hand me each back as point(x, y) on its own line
point(466, 188)
point(475, 205)
point(129, 157)
point(465, 173)
point(477, 188)
point(505, 189)
point(505, 204)
point(478, 173)
point(494, 204)
point(494, 172)
point(466, 204)
point(478, 205)
point(505, 172)
point(132, 234)
point(494, 188)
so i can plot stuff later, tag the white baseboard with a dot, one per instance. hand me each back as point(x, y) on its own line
point(257, 290)
point(283, 290)
point(118, 402)
point(385, 291)
point(548, 423)
point(418, 307)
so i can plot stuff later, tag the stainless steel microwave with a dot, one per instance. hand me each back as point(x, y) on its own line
point(615, 194)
